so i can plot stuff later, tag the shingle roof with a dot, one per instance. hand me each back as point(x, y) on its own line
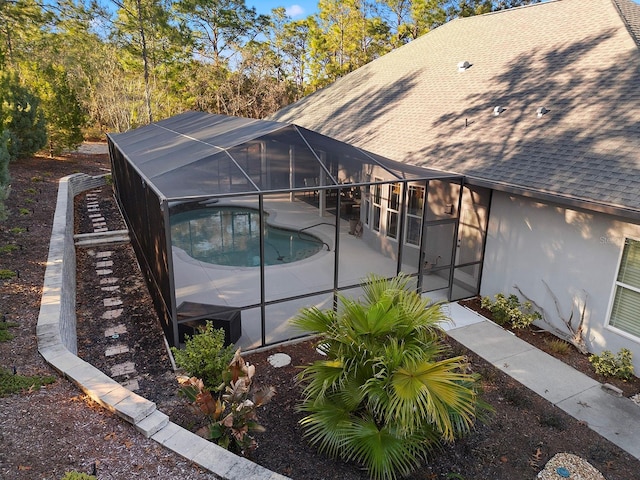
point(576, 58)
point(630, 13)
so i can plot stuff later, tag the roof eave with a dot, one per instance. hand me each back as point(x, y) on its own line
point(628, 214)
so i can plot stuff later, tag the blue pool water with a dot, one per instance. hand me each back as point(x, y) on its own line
point(230, 236)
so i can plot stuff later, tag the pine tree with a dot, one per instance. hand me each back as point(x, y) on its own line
point(22, 117)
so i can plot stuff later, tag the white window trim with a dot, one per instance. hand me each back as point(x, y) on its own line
point(409, 215)
point(612, 297)
point(389, 211)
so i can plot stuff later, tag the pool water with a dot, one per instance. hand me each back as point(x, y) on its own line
point(230, 236)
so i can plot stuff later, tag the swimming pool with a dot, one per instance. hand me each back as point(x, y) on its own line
point(230, 236)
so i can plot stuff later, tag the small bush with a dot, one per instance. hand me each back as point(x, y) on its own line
point(24, 211)
point(17, 230)
point(78, 476)
point(8, 248)
point(5, 334)
point(7, 274)
point(618, 366)
point(205, 356)
point(509, 311)
point(552, 420)
point(232, 414)
point(558, 346)
point(10, 383)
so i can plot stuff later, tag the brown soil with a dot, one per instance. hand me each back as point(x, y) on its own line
point(44, 434)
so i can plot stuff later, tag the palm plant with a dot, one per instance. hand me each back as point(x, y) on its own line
point(386, 395)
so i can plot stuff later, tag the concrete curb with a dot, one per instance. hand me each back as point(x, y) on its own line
point(57, 343)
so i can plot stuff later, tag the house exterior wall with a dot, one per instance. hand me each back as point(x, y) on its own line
point(576, 253)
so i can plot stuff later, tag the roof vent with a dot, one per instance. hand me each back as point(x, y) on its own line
point(498, 110)
point(462, 66)
point(541, 111)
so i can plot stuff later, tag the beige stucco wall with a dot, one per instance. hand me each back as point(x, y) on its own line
point(576, 253)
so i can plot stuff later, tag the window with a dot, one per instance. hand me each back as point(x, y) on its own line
point(414, 214)
point(625, 312)
point(393, 205)
point(376, 204)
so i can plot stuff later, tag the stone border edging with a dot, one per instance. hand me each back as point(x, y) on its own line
point(57, 343)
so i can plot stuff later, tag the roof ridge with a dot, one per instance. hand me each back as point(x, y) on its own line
point(629, 12)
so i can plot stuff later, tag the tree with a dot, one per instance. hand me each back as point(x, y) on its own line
point(220, 28)
point(221, 31)
point(386, 394)
point(21, 21)
point(290, 42)
point(64, 115)
point(344, 36)
point(22, 117)
point(5, 180)
point(146, 31)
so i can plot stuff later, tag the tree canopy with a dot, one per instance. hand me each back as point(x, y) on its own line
point(113, 65)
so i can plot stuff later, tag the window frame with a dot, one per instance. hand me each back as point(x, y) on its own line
point(618, 284)
point(394, 196)
point(418, 216)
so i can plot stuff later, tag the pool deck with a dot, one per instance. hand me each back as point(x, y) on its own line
point(240, 286)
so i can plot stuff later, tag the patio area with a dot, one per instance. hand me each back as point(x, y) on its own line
point(249, 194)
point(239, 287)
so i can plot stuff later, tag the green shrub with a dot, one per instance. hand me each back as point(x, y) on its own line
point(8, 248)
point(17, 230)
point(24, 211)
point(509, 311)
point(558, 346)
point(7, 274)
point(78, 476)
point(10, 383)
point(387, 393)
point(205, 356)
point(232, 413)
point(5, 334)
point(618, 366)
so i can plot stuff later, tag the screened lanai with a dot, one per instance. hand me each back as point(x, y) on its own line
point(244, 222)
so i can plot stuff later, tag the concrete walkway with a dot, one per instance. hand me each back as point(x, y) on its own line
point(615, 418)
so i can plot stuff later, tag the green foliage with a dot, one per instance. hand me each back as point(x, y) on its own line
point(609, 365)
point(559, 346)
point(232, 414)
point(509, 311)
point(10, 383)
point(5, 179)
point(17, 230)
point(387, 393)
point(5, 334)
point(205, 356)
point(8, 248)
point(6, 274)
point(24, 211)
point(78, 476)
point(22, 117)
point(65, 116)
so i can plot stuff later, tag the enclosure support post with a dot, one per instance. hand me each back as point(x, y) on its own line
point(262, 292)
point(292, 175)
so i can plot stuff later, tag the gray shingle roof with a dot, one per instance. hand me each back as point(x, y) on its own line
point(630, 13)
point(576, 58)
